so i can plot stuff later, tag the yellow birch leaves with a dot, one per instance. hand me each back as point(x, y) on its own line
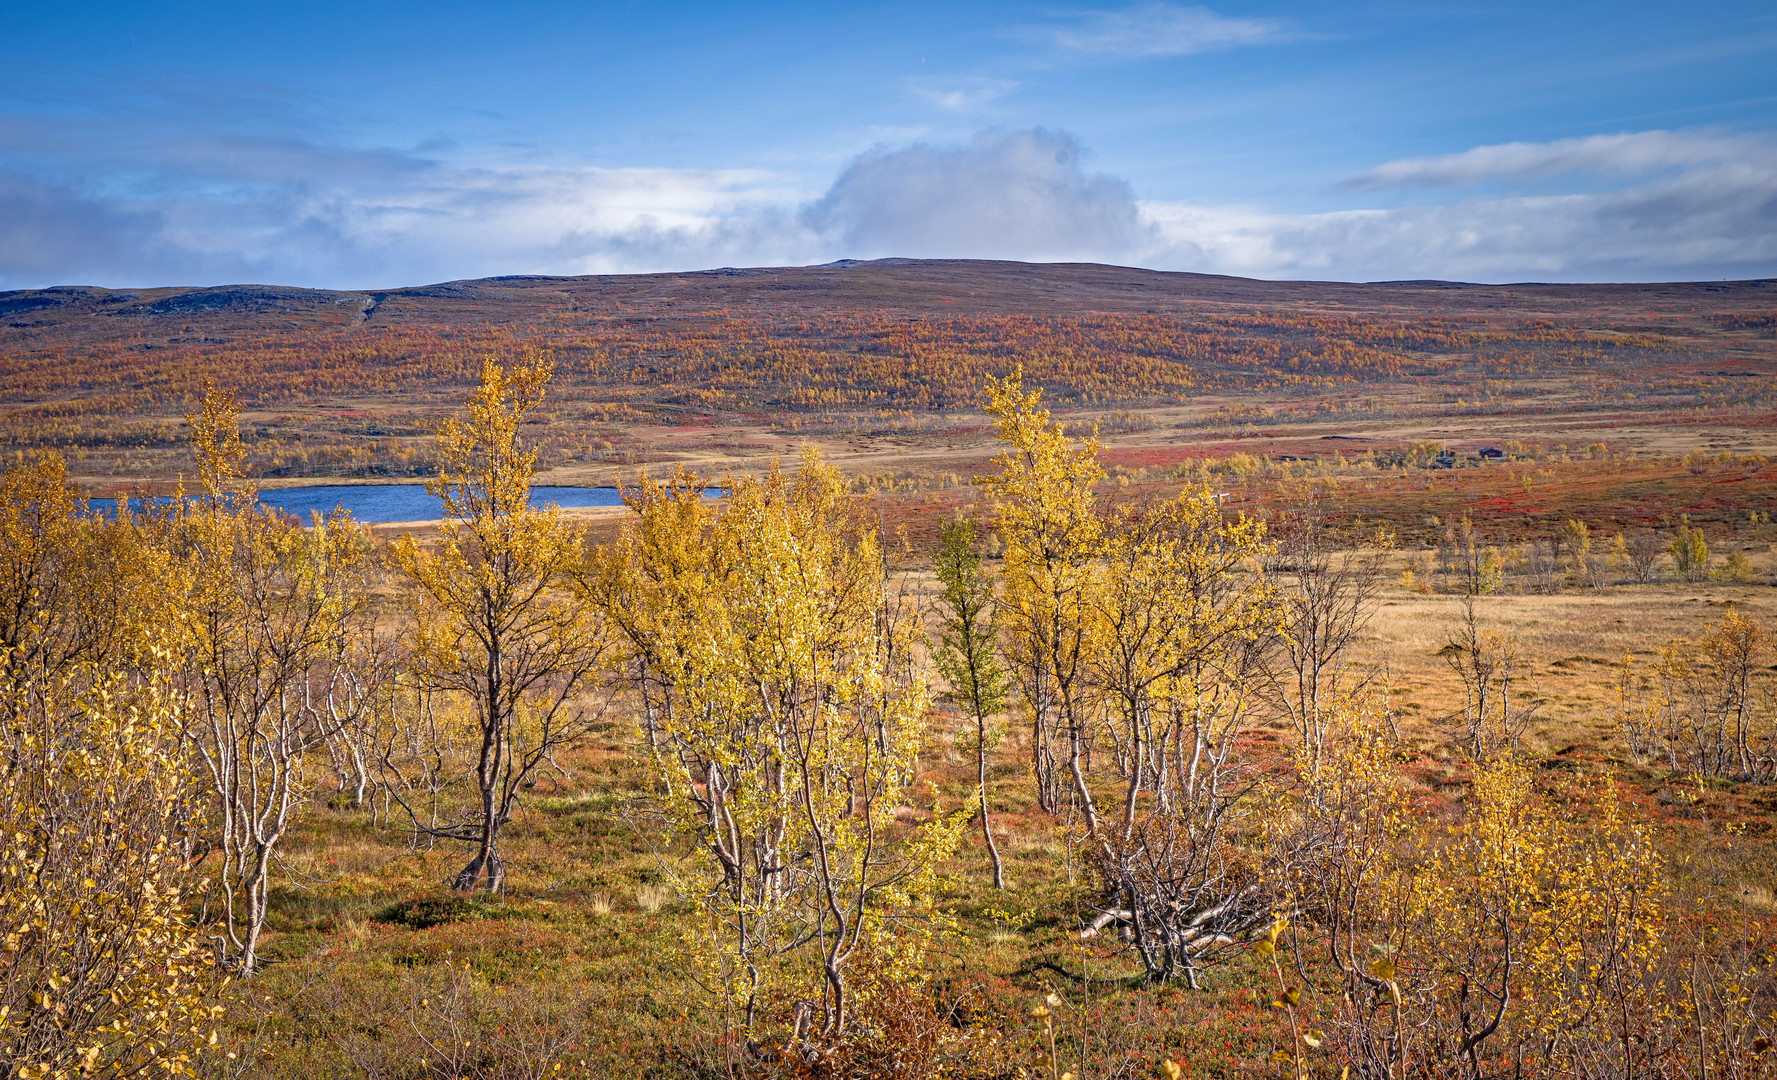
point(779, 686)
point(102, 972)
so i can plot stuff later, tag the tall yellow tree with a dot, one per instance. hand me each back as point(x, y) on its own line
point(1048, 518)
point(1141, 628)
point(787, 710)
point(495, 626)
point(1177, 621)
point(1179, 616)
point(264, 650)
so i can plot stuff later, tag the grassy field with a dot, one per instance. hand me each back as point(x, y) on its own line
point(375, 965)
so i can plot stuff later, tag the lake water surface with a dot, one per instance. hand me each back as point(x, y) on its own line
point(379, 504)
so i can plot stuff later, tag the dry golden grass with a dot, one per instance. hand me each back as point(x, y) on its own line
point(587, 919)
point(1572, 644)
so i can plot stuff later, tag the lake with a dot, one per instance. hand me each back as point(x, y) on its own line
point(378, 504)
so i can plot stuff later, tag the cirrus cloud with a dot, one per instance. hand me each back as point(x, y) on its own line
point(1155, 30)
point(959, 93)
point(1633, 152)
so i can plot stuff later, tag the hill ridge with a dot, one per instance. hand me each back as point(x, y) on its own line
point(1094, 286)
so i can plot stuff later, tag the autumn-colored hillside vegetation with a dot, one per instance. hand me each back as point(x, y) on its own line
point(680, 367)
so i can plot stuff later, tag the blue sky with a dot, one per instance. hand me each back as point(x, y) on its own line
point(371, 145)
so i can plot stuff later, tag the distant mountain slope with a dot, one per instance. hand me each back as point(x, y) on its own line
point(903, 286)
point(348, 383)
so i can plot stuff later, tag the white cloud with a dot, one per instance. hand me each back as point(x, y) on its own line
point(428, 225)
point(1696, 205)
point(1003, 195)
point(1634, 152)
point(959, 93)
point(1706, 223)
point(1156, 29)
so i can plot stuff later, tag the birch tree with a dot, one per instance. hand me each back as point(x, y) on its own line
point(495, 626)
point(267, 613)
point(1143, 625)
point(74, 587)
point(1048, 519)
point(1180, 620)
point(966, 658)
point(101, 972)
point(789, 711)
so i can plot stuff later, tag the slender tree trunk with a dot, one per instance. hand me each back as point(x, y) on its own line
point(256, 893)
point(993, 851)
point(1074, 741)
point(361, 776)
point(1083, 792)
point(1137, 749)
point(486, 862)
point(836, 987)
point(1041, 748)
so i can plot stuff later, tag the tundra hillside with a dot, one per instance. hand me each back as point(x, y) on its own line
point(881, 364)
